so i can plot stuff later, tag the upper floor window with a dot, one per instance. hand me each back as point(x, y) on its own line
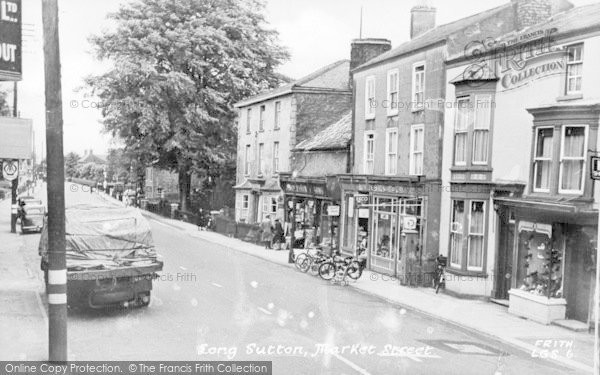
point(248, 119)
point(247, 160)
point(572, 159)
point(261, 122)
point(418, 85)
point(542, 159)
point(393, 81)
point(275, 157)
point(574, 68)
point(472, 130)
point(416, 149)
point(391, 151)
point(369, 153)
point(277, 115)
point(370, 101)
point(261, 158)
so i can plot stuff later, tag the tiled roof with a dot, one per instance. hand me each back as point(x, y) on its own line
point(331, 77)
point(335, 136)
point(435, 35)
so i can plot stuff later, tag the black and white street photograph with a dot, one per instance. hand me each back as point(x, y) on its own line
point(299, 187)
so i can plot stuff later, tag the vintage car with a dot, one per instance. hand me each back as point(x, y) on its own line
point(30, 213)
point(111, 259)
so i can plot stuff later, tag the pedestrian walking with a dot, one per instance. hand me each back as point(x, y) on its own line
point(266, 232)
point(278, 235)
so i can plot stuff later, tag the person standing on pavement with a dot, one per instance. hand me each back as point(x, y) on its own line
point(266, 235)
point(279, 234)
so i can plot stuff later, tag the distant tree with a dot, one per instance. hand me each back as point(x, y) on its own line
point(71, 163)
point(178, 68)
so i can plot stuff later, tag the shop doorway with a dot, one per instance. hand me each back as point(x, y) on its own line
point(578, 275)
point(504, 267)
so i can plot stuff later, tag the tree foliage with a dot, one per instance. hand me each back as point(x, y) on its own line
point(178, 68)
point(71, 164)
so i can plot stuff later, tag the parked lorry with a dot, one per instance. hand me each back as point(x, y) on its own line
point(111, 258)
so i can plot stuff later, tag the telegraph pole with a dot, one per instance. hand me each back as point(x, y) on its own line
point(15, 183)
point(57, 267)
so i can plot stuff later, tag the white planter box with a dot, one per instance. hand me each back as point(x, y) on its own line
point(537, 308)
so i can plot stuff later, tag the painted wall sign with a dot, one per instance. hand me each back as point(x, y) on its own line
point(10, 40)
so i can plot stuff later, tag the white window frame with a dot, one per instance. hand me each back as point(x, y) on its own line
point(462, 232)
point(392, 107)
point(575, 62)
point(465, 130)
point(245, 206)
point(262, 111)
point(536, 159)
point(475, 113)
point(275, 157)
point(562, 158)
point(261, 159)
point(482, 234)
point(416, 105)
point(413, 129)
point(248, 161)
point(277, 119)
point(248, 120)
point(370, 109)
point(391, 169)
point(366, 154)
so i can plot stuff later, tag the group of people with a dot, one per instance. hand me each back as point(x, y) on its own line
point(272, 235)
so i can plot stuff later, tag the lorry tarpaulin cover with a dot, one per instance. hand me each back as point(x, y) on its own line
point(105, 237)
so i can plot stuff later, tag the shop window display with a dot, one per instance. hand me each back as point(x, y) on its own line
point(541, 260)
point(385, 227)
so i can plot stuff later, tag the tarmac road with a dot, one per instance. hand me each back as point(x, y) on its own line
point(214, 303)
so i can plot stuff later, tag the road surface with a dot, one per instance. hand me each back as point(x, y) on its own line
point(213, 303)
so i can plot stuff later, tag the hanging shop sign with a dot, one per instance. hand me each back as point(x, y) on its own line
point(333, 210)
point(595, 167)
point(361, 199)
point(10, 169)
point(10, 40)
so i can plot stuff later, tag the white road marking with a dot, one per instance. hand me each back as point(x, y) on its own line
point(353, 365)
point(217, 285)
point(265, 311)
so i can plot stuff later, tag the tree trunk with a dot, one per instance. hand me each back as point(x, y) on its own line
point(185, 181)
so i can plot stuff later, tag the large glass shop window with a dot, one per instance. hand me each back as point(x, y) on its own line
point(540, 258)
point(385, 227)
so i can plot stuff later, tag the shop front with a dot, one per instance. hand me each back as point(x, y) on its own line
point(385, 217)
point(554, 258)
point(312, 211)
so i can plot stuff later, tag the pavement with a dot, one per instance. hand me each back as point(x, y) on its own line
point(219, 298)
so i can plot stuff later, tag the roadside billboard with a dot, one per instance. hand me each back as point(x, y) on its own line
point(10, 40)
point(16, 140)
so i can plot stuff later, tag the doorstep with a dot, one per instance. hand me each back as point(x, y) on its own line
point(573, 325)
point(502, 302)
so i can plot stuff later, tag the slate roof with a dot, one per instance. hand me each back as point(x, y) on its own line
point(333, 137)
point(442, 32)
point(331, 77)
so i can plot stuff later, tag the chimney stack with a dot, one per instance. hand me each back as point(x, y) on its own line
point(531, 12)
point(363, 50)
point(422, 19)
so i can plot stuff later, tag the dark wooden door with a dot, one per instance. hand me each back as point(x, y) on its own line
point(504, 267)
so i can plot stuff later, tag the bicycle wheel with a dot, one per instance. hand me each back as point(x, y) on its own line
point(354, 270)
point(302, 262)
point(327, 270)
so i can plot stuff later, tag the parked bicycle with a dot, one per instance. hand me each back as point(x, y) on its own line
point(311, 260)
point(339, 267)
point(439, 279)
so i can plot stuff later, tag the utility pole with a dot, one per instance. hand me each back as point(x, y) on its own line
point(57, 267)
point(15, 183)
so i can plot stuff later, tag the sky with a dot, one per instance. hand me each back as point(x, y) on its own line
point(316, 32)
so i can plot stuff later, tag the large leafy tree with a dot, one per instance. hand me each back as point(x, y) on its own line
point(178, 68)
point(71, 162)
